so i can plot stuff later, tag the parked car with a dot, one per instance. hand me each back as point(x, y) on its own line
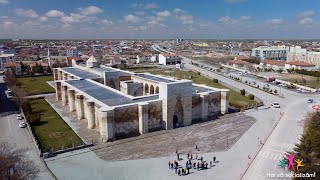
point(275, 104)
point(19, 117)
point(310, 101)
point(22, 124)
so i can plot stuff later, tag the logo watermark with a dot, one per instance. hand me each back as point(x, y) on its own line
point(292, 164)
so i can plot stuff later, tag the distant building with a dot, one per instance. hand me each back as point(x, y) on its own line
point(237, 63)
point(300, 65)
point(272, 64)
point(299, 54)
point(270, 52)
point(167, 59)
point(97, 47)
point(6, 58)
point(72, 51)
point(179, 40)
point(145, 58)
point(12, 67)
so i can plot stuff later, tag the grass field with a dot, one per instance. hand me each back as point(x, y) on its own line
point(52, 131)
point(36, 85)
point(235, 97)
point(310, 81)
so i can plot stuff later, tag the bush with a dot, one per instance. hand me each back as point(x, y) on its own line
point(251, 96)
point(258, 87)
point(199, 73)
point(242, 92)
point(275, 91)
point(33, 119)
point(215, 80)
point(246, 81)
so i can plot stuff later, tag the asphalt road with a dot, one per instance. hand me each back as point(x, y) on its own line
point(284, 136)
point(11, 133)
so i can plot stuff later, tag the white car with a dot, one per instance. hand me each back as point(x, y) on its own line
point(19, 117)
point(22, 124)
point(275, 104)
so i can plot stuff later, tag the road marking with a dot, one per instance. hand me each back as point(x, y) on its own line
point(272, 155)
point(267, 154)
point(9, 124)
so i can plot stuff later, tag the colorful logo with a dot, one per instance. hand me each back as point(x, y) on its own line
point(289, 161)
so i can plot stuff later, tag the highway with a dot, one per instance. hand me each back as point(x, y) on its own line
point(286, 134)
point(11, 133)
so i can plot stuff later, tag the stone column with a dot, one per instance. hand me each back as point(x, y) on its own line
point(59, 75)
point(55, 74)
point(64, 95)
point(90, 114)
point(143, 118)
point(79, 106)
point(71, 100)
point(224, 101)
point(204, 106)
point(58, 90)
point(106, 117)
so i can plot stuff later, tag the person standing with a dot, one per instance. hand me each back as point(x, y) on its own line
point(210, 163)
point(214, 159)
point(169, 164)
point(179, 172)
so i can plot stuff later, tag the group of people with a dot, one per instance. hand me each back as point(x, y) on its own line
point(193, 162)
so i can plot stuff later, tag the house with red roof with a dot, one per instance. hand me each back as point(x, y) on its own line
point(12, 67)
point(300, 65)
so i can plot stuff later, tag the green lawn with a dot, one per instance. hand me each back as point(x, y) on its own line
point(52, 131)
point(36, 85)
point(309, 83)
point(235, 97)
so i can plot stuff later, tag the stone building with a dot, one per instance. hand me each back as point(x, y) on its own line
point(122, 104)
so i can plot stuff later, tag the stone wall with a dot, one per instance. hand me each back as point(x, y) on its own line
point(196, 107)
point(214, 104)
point(155, 115)
point(126, 121)
point(131, 88)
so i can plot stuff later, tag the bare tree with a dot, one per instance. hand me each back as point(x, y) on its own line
point(19, 95)
point(15, 164)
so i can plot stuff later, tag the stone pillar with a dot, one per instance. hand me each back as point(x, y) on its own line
point(224, 101)
point(106, 117)
point(79, 106)
point(55, 74)
point(71, 100)
point(90, 116)
point(59, 75)
point(143, 118)
point(204, 106)
point(58, 90)
point(64, 95)
point(65, 76)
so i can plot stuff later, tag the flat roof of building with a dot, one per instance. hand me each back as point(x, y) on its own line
point(154, 78)
point(80, 73)
point(105, 95)
point(200, 89)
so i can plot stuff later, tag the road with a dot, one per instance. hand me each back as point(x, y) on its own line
point(11, 133)
point(284, 136)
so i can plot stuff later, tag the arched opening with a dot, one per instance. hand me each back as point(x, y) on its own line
point(151, 89)
point(175, 121)
point(146, 89)
point(157, 90)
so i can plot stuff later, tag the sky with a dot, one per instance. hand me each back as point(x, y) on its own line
point(160, 19)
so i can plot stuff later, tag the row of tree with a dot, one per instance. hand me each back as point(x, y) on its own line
point(36, 69)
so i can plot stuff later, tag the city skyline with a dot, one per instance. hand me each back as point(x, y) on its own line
point(223, 19)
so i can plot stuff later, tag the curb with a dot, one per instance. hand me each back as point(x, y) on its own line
point(260, 147)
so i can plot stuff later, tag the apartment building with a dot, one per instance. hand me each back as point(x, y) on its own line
point(270, 52)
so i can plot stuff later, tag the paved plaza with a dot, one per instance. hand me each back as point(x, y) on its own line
point(216, 135)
